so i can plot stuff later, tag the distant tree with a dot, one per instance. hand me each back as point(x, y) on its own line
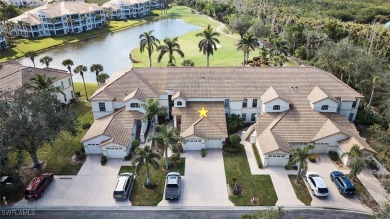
point(259, 30)
point(102, 77)
point(279, 46)
point(33, 120)
point(46, 60)
point(31, 56)
point(171, 46)
point(209, 42)
point(80, 69)
point(96, 68)
point(68, 63)
point(246, 44)
point(148, 42)
point(187, 63)
point(241, 24)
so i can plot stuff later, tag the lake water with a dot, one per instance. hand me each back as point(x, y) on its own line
point(111, 50)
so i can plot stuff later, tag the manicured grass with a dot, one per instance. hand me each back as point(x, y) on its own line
point(140, 196)
point(258, 186)
point(364, 196)
point(300, 190)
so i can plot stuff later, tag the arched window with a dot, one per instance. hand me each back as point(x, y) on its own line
point(179, 103)
point(134, 105)
point(324, 107)
point(276, 107)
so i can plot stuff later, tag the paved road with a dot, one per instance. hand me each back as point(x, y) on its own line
point(179, 214)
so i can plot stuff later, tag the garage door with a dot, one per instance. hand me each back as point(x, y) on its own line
point(320, 149)
point(192, 145)
point(115, 152)
point(214, 143)
point(275, 160)
point(93, 149)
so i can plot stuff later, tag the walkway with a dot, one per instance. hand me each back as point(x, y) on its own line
point(279, 176)
point(373, 186)
point(220, 28)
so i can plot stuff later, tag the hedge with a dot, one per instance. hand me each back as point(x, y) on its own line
point(257, 155)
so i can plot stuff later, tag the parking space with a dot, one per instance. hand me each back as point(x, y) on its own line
point(93, 186)
point(324, 167)
point(204, 183)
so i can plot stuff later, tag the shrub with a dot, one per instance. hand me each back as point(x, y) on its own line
point(256, 58)
point(175, 157)
point(77, 93)
point(246, 216)
point(180, 147)
point(257, 156)
point(231, 149)
point(80, 155)
point(203, 152)
point(82, 147)
point(86, 125)
point(333, 155)
point(234, 139)
point(127, 157)
point(312, 157)
point(372, 164)
point(135, 144)
point(103, 160)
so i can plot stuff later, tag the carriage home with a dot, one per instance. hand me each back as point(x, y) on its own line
point(13, 75)
point(289, 108)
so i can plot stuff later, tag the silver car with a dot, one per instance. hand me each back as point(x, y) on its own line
point(124, 186)
point(317, 184)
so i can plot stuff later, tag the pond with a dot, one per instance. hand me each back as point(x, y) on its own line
point(111, 50)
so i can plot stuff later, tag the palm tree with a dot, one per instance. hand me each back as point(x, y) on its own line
point(32, 56)
point(234, 123)
point(149, 42)
point(357, 161)
point(300, 156)
point(279, 46)
point(167, 137)
point(145, 157)
point(68, 63)
point(209, 42)
point(246, 44)
point(152, 110)
point(41, 82)
point(71, 22)
point(46, 60)
point(53, 21)
point(80, 69)
point(171, 46)
point(102, 77)
point(97, 68)
point(374, 80)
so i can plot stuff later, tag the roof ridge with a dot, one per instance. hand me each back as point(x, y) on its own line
point(112, 118)
point(144, 82)
point(274, 122)
point(215, 126)
point(330, 75)
point(102, 88)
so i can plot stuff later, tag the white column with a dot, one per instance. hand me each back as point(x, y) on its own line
point(174, 121)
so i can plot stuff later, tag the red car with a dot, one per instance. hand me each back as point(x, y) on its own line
point(37, 186)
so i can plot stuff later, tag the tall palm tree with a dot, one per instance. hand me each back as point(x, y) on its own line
point(46, 60)
point(97, 68)
point(145, 157)
point(171, 46)
point(71, 22)
point(246, 44)
point(102, 77)
point(148, 42)
point(152, 110)
point(209, 42)
point(68, 63)
point(41, 82)
point(167, 137)
point(300, 156)
point(80, 69)
point(53, 21)
point(32, 56)
point(279, 46)
point(357, 161)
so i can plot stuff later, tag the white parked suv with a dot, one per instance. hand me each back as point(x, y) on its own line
point(317, 184)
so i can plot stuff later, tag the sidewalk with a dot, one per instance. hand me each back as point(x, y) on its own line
point(373, 186)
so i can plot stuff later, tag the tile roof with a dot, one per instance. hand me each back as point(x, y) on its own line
point(179, 95)
point(137, 94)
point(271, 94)
point(317, 94)
point(118, 126)
point(212, 126)
point(347, 144)
point(14, 75)
point(330, 128)
point(271, 142)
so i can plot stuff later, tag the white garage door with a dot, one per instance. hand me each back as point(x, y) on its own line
point(320, 149)
point(275, 160)
point(93, 149)
point(214, 143)
point(115, 152)
point(193, 145)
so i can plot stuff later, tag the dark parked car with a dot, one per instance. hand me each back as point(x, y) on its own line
point(37, 186)
point(124, 186)
point(172, 185)
point(343, 183)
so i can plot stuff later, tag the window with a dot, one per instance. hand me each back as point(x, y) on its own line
point(354, 103)
point(71, 94)
point(102, 106)
point(65, 99)
point(62, 85)
point(134, 105)
point(179, 103)
point(254, 103)
point(243, 116)
point(276, 107)
point(253, 117)
point(245, 103)
point(227, 103)
point(324, 107)
point(70, 82)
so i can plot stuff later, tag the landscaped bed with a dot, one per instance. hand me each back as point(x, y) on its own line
point(300, 190)
point(141, 196)
point(364, 196)
point(259, 187)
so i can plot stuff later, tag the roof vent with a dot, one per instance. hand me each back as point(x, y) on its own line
point(202, 77)
point(295, 88)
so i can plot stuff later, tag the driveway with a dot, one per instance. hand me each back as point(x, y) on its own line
point(204, 182)
point(93, 186)
point(324, 167)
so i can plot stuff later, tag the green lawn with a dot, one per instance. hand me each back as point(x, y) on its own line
point(146, 197)
point(258, 186)
point(300, 190)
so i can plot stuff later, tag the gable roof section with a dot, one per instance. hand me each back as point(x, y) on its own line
point(317, 94)
point(347, 144)
point(330, 128)
point(205, 129)
point(137, 94)
point(270, 142)
point(270, 95)
point(179, 95)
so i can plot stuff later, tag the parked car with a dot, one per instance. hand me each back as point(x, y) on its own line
point(317, 184)
point(172, 185)
point(37, 186)
point(124, 186)
point(343, 183)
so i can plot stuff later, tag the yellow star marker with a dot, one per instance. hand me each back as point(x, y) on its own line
point(203, 112)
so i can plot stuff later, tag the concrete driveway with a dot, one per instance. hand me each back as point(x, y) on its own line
point(93, 186)
point(324, 167)
point(204, 182)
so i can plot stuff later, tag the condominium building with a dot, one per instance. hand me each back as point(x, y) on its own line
point(58, 18)
point(26, 3)
point(125, 9)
